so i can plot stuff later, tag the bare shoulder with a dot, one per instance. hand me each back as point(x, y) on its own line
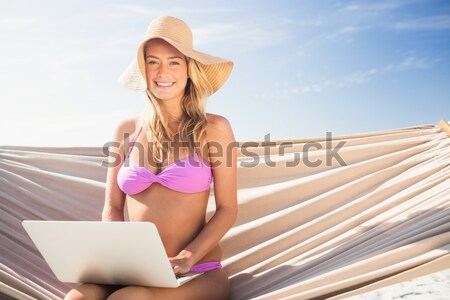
point(218, 126)
point(125, 128)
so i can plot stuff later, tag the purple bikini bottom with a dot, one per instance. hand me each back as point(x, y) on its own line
point(206, 266)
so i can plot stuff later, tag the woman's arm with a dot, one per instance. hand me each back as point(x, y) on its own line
point(222, 148)
point(113, 209)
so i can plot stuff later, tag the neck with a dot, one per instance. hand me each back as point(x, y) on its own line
point(174, 113)
point(173, 109)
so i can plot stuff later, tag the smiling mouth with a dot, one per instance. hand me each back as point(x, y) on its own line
point(164, 84)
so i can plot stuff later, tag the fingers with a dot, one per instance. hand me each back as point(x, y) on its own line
point(179, 269)
point(179, 265)
point(176, 270)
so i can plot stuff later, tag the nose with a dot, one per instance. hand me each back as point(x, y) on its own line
point(162, 69)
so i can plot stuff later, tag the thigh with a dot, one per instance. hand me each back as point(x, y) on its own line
point(90, 291)
point(213, 284)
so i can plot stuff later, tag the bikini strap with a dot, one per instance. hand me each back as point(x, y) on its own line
point(134, 140)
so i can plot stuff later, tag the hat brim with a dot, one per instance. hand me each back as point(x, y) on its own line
point(217, 69)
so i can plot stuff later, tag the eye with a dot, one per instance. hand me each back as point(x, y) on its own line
point(174, 63)
point(152, 62)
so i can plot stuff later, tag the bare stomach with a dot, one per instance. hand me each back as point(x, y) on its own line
point(179, 217)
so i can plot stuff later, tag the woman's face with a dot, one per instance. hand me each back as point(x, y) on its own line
point(166, 70)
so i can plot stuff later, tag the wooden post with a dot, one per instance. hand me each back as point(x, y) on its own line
point(444, 126)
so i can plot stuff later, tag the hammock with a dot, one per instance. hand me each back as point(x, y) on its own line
point(317, 218)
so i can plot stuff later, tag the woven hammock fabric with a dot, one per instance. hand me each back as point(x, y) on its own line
point(317, 218)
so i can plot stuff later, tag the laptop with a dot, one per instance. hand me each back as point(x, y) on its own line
point(118, 253)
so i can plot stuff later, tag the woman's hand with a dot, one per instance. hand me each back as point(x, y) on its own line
point(181, 263)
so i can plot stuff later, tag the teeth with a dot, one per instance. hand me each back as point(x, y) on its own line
point(164, 84)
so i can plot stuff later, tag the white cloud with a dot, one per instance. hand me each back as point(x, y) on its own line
point(357, 17)
point(243, 35)
point(441, 22)
point(411, 62)
point(352, 7)
point(136, 10)
point(87, 129)
point(343, 34)
point(16, 22)
point(379, 6)
point(203, 10)
point(126, 10)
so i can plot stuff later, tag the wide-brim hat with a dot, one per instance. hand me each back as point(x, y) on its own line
point(178, 34)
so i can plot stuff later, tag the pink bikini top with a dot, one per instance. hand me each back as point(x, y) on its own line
point(188, 175)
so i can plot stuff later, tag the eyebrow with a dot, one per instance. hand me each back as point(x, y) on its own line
point(172, 57)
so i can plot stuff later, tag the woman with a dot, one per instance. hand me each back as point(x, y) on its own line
point(177, 151)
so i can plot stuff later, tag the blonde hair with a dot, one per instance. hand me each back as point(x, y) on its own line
point(192, 127)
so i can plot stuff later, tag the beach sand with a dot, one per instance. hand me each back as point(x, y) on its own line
point(435, 286)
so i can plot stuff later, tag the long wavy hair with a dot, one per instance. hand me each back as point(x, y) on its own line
point(192, 128)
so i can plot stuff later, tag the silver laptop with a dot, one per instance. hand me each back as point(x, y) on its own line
point(119, 253)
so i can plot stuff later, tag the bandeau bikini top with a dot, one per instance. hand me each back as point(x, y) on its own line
point(188, 175)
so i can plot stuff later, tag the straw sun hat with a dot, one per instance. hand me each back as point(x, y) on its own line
point(177, 33)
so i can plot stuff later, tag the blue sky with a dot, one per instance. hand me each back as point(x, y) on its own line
point(302, 68)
